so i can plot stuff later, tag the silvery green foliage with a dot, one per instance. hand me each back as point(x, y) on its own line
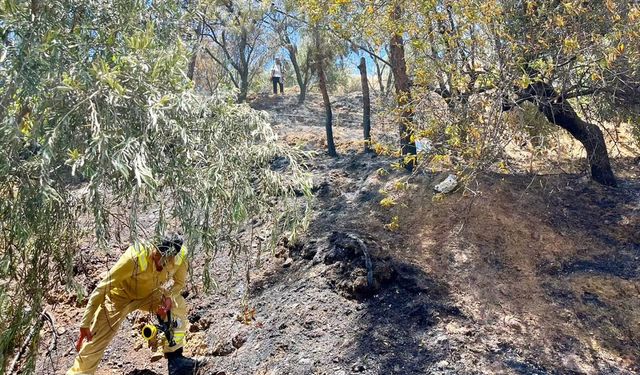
point(98, 117)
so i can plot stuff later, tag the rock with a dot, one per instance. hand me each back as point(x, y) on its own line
point(315, 333)
point(338, 254)
point(239, 340)
point(360, 285)
point(194, 317)
point(309, 323)
point(201, 324)
point(575, 364)
point(448, 185)
point(584, 180)
point(287, 263)
point(309, 250)
point(279, 163)
point(198, 344)
point(280, 252)
point(321, 189)
point(358, 368)
point(222, 349)
point(424, 145)
point(342, 248)
point(441, 338)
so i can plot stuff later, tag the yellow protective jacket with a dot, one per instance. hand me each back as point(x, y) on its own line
point(135, 276)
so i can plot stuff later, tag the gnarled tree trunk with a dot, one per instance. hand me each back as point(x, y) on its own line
point(561, 113)
point(590, 135)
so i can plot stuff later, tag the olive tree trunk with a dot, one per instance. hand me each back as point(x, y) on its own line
point(366, 105)
point(322, 82)
point(403, 92)
point(331, 148)
point(559, 111)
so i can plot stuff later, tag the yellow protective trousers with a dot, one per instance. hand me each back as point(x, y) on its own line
point(106, 323)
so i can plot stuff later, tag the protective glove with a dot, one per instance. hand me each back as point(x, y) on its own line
point(85, 333)
point(164, 307)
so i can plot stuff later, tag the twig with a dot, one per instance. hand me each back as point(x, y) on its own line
point(367, 258)
point(343, 37)
point(54, 340)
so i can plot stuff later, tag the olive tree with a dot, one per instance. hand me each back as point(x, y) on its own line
point(235, 36)
point(576, 61)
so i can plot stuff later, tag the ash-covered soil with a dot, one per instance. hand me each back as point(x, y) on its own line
point(515, 275)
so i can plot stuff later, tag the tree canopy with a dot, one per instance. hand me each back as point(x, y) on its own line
point(577, 62)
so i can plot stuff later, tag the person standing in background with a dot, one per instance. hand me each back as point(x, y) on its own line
point(277, 77)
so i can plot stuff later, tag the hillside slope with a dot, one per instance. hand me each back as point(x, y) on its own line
point(518, 275)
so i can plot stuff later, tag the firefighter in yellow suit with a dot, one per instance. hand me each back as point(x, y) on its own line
point(140, 280)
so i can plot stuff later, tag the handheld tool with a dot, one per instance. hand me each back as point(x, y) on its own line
point(165, 327)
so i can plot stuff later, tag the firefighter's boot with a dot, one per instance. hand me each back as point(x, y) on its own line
point(181, 365)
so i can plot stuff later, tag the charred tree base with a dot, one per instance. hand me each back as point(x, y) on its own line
point(366, 105)
point(302, 96)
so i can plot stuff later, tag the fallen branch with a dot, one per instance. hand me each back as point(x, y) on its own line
point(32, 332)
point(34, 329)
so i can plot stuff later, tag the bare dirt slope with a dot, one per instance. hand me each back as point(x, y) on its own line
point(517, 275)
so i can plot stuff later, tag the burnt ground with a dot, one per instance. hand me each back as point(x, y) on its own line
point(518, 274)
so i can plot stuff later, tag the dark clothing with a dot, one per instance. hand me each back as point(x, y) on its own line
point(181, 365)
point(277, 81)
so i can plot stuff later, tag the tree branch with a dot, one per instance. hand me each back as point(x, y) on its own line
point(224, 66)
point(359, 46)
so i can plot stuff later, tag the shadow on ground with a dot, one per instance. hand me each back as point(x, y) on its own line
point(396, 330)
point(142, 372)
